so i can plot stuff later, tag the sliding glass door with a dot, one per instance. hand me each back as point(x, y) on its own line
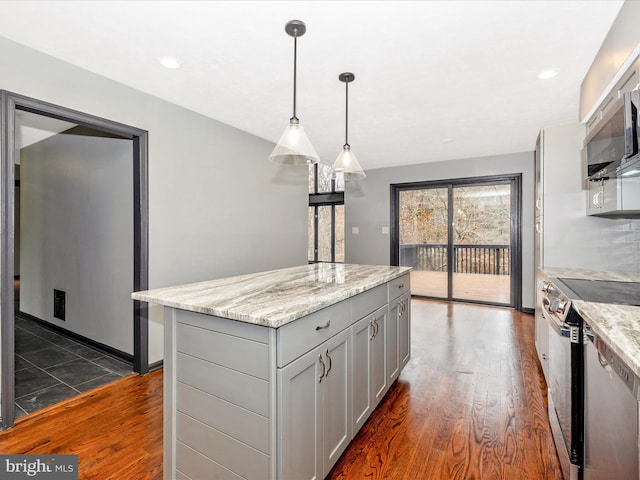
point(461, 237)
point(424, 233)
point(481, 230)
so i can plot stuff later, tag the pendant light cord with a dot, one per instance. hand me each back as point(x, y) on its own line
point(346, 115)
point(294, 119)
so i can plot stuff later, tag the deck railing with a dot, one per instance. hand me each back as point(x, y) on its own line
point(480, 259)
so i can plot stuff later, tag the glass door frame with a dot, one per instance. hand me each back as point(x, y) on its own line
point(515, 240)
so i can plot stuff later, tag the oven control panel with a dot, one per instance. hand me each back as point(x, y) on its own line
point(554, 301)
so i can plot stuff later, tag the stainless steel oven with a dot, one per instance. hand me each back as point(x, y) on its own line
point(599, 429)
point(565, 380)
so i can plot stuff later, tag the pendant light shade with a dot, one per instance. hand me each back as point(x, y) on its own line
point(294, 147)
point(347, 163)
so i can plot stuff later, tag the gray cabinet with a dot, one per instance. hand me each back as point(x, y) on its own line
point(399, 328)
point(379, 355)
point(542, 337)
point(393, 340)
point(614, 197)
point(314, 412)
point(404, 330)
point(361, 401)
point(369, 364)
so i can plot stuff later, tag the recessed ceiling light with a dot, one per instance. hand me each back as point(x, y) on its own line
point(169, 62)
point(547, 74)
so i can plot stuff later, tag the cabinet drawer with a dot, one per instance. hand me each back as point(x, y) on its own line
point(366, 302)
point(399, 286)
point(304, 334)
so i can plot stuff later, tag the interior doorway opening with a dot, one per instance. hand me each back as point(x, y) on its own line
point(462, 238)
point(79, 185)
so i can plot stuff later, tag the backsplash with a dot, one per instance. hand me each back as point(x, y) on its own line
point(593, 243)
point(627, 243)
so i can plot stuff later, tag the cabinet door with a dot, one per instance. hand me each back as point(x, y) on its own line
point(393, 359)
point(300, 417)
point(542, 342)
point(335, 390)
point(610, 192)
point(404, 330)
point(378, 355)
point(594, 197)
point(630, 193)
point(361, 394)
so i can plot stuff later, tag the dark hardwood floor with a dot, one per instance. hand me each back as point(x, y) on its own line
point(469, 405)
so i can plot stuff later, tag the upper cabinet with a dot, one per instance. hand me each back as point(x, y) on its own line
point(618, 51)
point(614, 197)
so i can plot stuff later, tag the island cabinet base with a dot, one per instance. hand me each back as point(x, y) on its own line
point(244, 401)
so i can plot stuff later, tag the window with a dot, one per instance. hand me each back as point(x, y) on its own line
point(326, 215)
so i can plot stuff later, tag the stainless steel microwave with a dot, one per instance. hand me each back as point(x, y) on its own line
point(615, 138)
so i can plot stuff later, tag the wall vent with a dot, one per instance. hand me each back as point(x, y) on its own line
point(59, 304)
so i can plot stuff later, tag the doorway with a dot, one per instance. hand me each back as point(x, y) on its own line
point(461, 237)
point(88, 134)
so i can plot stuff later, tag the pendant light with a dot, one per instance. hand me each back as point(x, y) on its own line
point(294, 148)
point(347, 163)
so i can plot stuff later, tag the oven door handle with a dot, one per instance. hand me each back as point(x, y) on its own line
point(559, 327)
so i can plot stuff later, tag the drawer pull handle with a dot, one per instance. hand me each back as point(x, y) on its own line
point(326, 353)
point(401, 285)
point(324, 369)
point(326, 325)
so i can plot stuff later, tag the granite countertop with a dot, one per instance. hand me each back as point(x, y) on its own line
point(276, 297)
point(617, 325)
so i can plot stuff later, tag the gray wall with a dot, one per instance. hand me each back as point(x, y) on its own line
point(571, 238)
point(77, 234)
point(217, 207)
point(367, 206)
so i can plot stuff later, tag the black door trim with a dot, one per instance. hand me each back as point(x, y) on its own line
point(514, 179)
point(9, 103)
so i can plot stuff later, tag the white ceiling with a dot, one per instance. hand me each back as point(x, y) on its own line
point(425, 70)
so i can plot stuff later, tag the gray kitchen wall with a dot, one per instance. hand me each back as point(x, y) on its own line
point(77, 235)
point(368, 207)
point(571, 238)
point(217, 207)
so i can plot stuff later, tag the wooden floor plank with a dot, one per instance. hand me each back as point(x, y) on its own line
point(470, 404)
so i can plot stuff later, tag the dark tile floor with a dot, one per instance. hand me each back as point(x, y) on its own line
point(51, 367)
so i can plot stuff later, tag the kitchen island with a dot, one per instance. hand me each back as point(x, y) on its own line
point(270, 375)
